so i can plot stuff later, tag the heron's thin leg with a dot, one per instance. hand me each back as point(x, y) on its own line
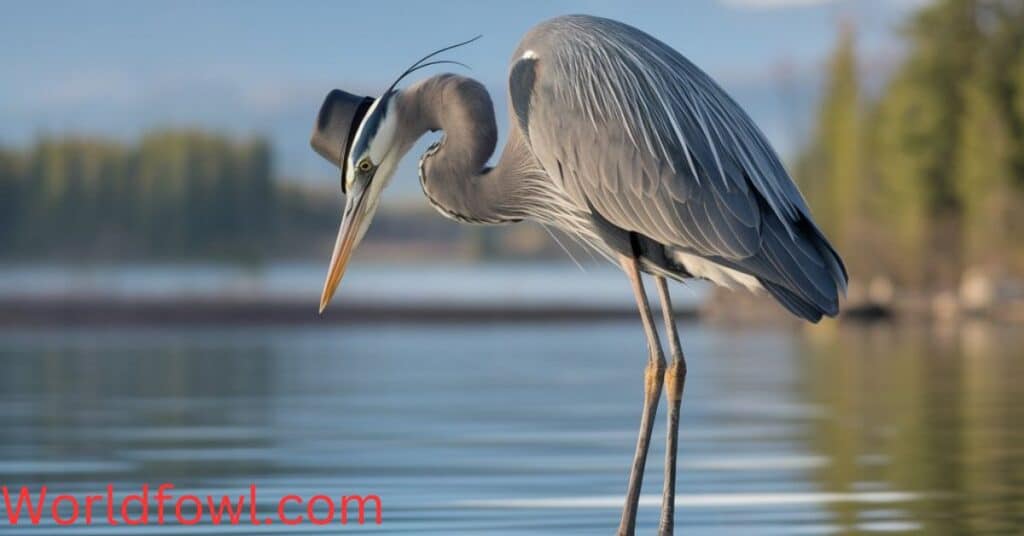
point(653, 378)
point(675, 379)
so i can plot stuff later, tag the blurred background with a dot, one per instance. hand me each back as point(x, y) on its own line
point(165, 230)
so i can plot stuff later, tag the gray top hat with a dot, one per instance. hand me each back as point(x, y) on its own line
point(336, 125)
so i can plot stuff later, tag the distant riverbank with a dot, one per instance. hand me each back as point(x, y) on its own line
point(287, 293)
point(277, 311)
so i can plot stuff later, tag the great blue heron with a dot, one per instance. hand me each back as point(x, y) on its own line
point(617, 139)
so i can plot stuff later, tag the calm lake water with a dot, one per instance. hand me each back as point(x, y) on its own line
point(528, 429)
point(539, 284)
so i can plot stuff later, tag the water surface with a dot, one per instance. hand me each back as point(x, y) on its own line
point(528, 429)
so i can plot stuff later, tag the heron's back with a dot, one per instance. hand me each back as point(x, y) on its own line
point(639, 138)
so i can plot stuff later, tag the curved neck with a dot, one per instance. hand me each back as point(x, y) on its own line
point(453, 172)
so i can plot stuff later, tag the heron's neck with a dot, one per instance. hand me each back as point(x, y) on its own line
point(453, 171)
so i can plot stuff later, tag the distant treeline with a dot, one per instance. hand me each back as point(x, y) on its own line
point(174, 194)
point(925, 181)
point(191, 195)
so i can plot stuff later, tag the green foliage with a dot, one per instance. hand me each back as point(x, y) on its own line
point(11, 183)
point(944, 39)
point(832, 169)
point(1018, 88)
point(175, 194)
point(932, 184)
point(984, 173)
point(898, 188)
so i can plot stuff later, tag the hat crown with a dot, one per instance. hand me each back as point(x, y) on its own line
point(336, 124)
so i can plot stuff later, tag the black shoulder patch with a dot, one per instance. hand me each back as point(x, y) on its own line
point(520, 86)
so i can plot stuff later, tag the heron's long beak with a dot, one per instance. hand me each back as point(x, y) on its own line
point(360, 205)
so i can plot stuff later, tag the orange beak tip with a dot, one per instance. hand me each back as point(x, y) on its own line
point(323, 307)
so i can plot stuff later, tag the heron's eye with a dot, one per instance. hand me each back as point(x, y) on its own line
point(365, 165)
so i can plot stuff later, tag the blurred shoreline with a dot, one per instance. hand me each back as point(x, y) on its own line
point(94, 311)
point(723, 307)
point(286, 293)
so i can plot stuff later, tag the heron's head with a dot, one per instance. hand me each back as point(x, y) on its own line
point(363, 137)
point(360, 136)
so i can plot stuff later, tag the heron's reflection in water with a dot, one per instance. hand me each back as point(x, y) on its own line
point(516, 430)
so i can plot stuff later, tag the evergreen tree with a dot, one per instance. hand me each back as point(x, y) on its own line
point(833, 175)
point(945, 40)
point(11, 183)
point(984, 174)
point(1018, 84)
point(899, 200)
point(990, 152)
point(175, 194)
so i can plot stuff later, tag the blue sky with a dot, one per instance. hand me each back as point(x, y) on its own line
point(118, 68)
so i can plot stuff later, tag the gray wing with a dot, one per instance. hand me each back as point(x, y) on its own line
point(637, 133)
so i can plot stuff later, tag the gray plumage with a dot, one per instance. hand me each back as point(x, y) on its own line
point(612, 133)
point(620, 141)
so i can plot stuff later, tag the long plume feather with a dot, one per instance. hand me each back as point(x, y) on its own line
point(420, 62)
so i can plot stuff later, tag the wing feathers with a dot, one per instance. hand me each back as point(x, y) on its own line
point(657, 148)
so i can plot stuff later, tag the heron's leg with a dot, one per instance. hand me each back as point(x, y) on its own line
point(675, 379)
point(653, 378)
